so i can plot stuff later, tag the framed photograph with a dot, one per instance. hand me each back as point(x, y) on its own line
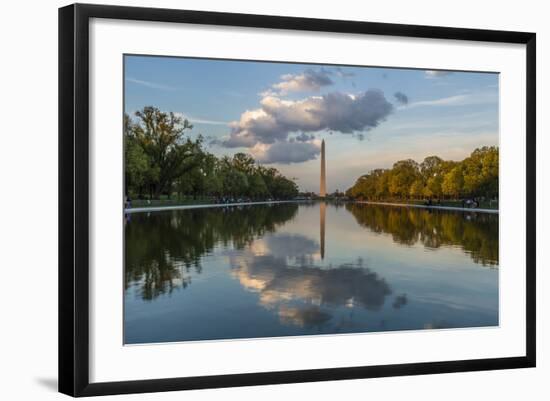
point(250, 199)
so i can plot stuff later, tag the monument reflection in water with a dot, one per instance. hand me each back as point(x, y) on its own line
point(303, 269)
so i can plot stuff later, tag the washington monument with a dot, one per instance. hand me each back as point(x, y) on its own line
point(323, 189)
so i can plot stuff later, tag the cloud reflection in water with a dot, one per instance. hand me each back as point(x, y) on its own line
point(288, 282)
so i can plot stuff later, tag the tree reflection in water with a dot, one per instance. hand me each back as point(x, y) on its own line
point(270, 271)
point(475, 233)
point(162, 247)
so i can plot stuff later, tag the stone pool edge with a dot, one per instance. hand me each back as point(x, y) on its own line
point(459, 209)
point(201, 206)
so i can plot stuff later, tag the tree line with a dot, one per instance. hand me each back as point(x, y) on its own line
point(162, 160)
point(475, 176)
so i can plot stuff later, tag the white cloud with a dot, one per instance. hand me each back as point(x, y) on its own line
point(309, 81)
point(334, 111)
point(266, 131)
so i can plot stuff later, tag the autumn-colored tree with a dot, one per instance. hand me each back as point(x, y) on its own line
point(453, 182)
point(403, 174)
point(477, 175)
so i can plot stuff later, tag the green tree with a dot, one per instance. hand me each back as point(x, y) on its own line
point(213, 184)
point(243, 163)
point(257, 187)
point(137, 169)
point(235, 182)
point(161, 136)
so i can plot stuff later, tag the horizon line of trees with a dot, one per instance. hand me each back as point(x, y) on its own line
point(162, 160)
point(475, 176)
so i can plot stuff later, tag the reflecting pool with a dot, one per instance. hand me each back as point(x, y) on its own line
point(306, 268)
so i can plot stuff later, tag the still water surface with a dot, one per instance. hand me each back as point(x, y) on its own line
point(308, 268)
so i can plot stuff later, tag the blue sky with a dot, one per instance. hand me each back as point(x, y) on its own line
point(279, 112)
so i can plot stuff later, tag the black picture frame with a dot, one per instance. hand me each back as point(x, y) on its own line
point(74, 198)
